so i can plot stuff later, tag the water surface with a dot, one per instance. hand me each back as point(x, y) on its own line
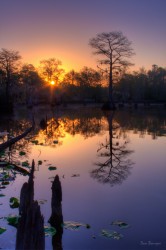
point(111, 167)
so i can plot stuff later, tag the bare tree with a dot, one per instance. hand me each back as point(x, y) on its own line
point(115, 49)
point(9, 63)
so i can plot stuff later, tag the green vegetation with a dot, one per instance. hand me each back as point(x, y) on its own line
point(14, 202)
point(49, 231)
point(12, 220)
point(2, 230)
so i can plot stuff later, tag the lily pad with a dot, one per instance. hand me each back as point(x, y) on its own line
point(4, 176)
point(22, 153)
point(25, 164)
point(75, 175)
point(10, 166)
point(72, 225)
point(35, 142)
point(52, 168)
point(88, 226)
point(2, 195)
point(2, 230)
point(55, 141)
point(14, 202)
point(5, 183)
point(42, 201)
point(49, 231)
point(121, 224)
point(111, 234)
point(40, 162)
point(12, 220)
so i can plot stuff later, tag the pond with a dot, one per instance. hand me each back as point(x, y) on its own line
point(112, 169)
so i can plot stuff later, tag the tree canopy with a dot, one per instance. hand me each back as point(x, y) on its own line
point(115, 50)
point(50, 69)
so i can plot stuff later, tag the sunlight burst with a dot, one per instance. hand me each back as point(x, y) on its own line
point(52, 82)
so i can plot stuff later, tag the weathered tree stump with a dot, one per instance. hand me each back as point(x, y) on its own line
point(30, 231)
point(56, 219)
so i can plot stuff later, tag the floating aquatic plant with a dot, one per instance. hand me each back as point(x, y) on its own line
point(21, 153)
point(72, 225)
point(14, 202)
point(49, 231)
point(12, 220)
point(5, 183)
point(42, 201)
point(52, 168)
point(35, 142)
point(121, 224)
point(111, 234)
point(2, 230)
point(55, 141)
point(25, 164)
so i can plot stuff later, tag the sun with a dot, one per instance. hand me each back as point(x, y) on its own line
point(52, 82)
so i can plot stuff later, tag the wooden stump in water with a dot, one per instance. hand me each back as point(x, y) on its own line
point(56, 219)
point(30, 231)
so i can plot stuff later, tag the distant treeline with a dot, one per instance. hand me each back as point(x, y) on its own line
point(25, 84)
point(143, 86)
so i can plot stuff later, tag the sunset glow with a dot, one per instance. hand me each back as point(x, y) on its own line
point(65, 31)
point(52, 83)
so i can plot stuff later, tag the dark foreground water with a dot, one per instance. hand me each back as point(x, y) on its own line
point(112, 169)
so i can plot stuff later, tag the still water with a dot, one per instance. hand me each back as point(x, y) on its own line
point(112, 168)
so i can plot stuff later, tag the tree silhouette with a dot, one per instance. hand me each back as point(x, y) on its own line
point(115, 48)
point(50, 69)
point(31, 82)
point(116, 167)
point(8, 63)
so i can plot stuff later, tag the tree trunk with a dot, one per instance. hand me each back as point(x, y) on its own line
point(56, 219)
point(8, 143)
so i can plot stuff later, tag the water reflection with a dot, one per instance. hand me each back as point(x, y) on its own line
point(52, 130)
point(143, 122)
point(115, 167)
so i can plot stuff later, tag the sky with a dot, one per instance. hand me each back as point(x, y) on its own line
point(42, 29)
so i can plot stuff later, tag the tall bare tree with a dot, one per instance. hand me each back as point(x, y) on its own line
point(9, 63)
point(115, 49)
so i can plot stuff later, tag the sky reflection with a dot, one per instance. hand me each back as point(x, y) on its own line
point(139, 199)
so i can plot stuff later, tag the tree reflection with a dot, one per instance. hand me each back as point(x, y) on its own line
point(144, 122)
point(13, 129)
point(57, 128)
point(115, 167)
point(50, 134)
